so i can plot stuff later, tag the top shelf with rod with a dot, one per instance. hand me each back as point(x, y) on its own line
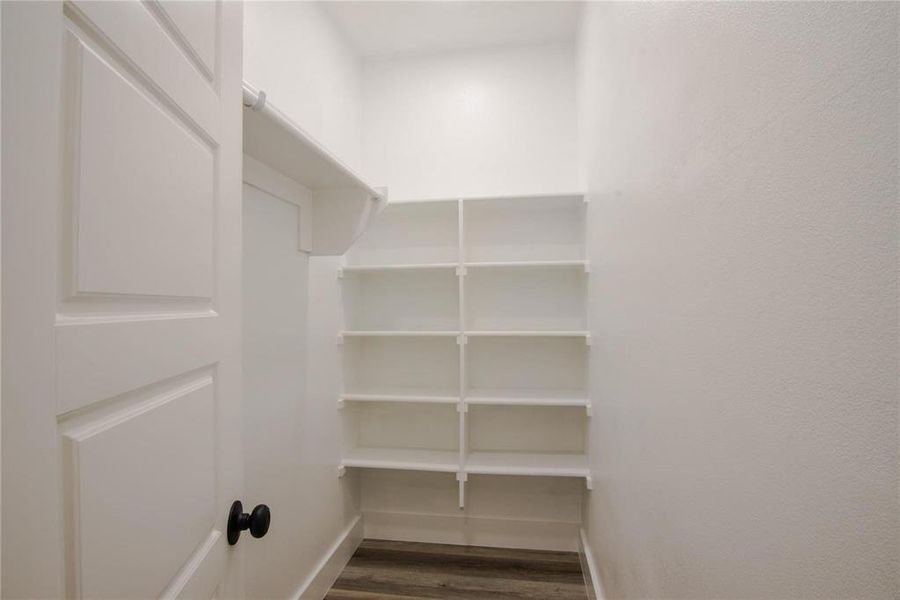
point(343, 203)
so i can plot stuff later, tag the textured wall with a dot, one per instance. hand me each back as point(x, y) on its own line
point(480, 122)
point(742, 164)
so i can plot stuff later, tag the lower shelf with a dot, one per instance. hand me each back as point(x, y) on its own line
point(477, 463)
point(442, 461)
point(398, 394)
point(520, 463)
point(527, 397)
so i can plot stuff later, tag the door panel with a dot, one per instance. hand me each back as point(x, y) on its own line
point(121, 285)
point(153, 456)
point(161, 226)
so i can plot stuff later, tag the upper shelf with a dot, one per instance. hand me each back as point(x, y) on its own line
point(343, 204)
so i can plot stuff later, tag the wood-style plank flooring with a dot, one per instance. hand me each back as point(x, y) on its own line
point(409, 571)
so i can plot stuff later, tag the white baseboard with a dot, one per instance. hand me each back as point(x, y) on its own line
point(589, 568)
point(471, 531)
point(329, 568)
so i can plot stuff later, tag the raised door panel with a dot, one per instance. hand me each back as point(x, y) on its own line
point(144, 188)
point(141, 486)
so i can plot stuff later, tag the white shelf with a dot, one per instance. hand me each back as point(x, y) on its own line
point(521, 463)
point(399, 267)
point(398, 333)
point(524, 264)
point(440, 461)
point(343, 204)
point(561, 196)
point(527, 397)
point(516, 264)
point(412, 395)
point(530, 333)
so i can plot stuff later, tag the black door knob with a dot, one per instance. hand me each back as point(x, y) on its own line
point(257, 521)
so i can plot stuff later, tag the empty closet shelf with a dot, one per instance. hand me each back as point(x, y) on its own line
point(528, 333)
point(397, 333)
point(513, 264)
point(399, 267)
point(423, 395)
point(520, 463)
point(443, 461)
point(527, 397)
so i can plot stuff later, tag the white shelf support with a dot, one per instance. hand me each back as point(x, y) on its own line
point(589, 483)
point(462, 340)
point(341, 471)
point(340, 339)
point(341, 404)
point(462, 477)
point(588, 410)
point(340, 273)
point(587, 340)
point(462, 408)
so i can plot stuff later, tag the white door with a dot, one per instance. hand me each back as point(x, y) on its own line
point(121, 182)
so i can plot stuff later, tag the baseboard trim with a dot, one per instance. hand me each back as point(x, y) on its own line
point(329, 568)
point(471, 531)
point(592, 579)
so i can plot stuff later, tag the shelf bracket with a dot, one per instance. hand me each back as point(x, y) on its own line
point(462, 340)
point(587, 266)
point(462, 477)
point(589, 410)
point(461, 271)
point(340, 339)
point(587, 340)
point(462, 407)
point(342, 470)
point(340, 273)
point(340, 404)
point(589, 483)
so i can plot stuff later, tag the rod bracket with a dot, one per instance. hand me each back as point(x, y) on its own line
point(258, 104)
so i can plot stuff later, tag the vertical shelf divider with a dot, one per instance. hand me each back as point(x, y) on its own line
point(463, 407)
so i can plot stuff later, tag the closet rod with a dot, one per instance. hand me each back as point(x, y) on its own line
point(257, 101)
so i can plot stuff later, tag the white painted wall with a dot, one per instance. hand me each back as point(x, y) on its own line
point(293, 51)
point(485, 122)
point(741, 161)
point(291, 427)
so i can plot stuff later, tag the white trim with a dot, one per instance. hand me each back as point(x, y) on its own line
point(592, 580)
point(471, 531)
point(317, 584)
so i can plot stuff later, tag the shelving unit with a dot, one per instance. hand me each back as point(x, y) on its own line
point(468, 317)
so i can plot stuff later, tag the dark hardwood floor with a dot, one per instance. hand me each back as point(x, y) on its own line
point(408, 571)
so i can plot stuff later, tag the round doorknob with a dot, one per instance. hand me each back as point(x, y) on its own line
point(257, 521)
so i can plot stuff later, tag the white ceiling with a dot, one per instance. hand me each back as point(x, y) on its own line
point(380, 29)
